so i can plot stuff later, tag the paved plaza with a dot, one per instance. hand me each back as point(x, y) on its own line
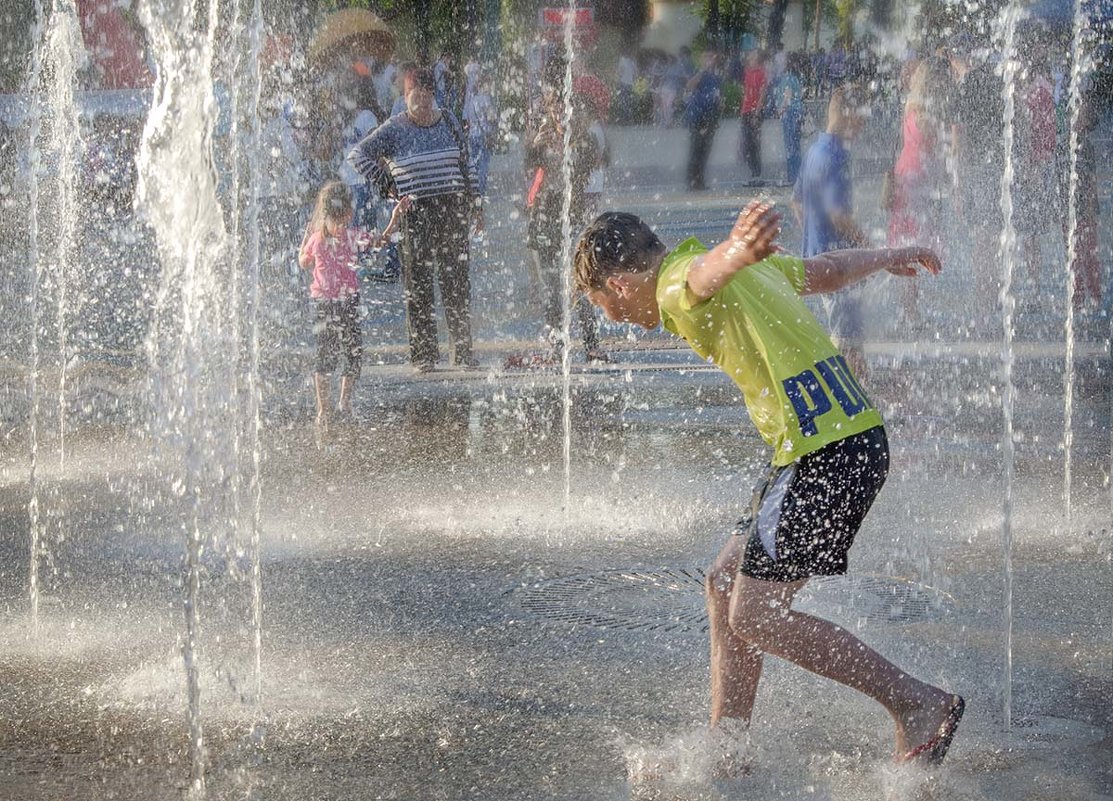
point(441, 621)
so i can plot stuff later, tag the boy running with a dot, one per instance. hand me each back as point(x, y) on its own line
point(738, 305)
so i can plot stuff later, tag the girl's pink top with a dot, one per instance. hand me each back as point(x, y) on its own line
point(335, 261)
point(917, 175)
point(912, 155)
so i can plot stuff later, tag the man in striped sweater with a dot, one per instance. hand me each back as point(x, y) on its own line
point(421, 153)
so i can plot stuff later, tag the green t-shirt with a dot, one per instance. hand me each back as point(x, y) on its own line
point(799, 391)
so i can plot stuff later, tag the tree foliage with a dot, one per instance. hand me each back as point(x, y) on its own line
point(727, 20)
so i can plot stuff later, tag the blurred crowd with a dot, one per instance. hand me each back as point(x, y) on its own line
point(380, 167)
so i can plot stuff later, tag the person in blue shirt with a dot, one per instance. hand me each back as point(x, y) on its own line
point(705, 105)
point(822, 200)
point(790, 108)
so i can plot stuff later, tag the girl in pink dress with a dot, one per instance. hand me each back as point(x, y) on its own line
point(330, 249)
point(919, 177)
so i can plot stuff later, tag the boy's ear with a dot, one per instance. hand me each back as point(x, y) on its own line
point(617, 284)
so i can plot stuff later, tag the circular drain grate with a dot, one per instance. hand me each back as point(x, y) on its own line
point(671, 599)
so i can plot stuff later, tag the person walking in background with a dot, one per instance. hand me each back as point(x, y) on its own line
point(672, 88)
point(754, 84)
point(823, 203)
point(819, 72)
point(705, 105)
point(481, 123)
point(1035, 157)
point(365, 117)
point(422, 153)
point(445, 80)
point(1087, 268)
point(977, 114)
point(330, 251)
point(548, 195)
point(919, 177)
point(790, 108)
point(626, 74)
point(658, 65)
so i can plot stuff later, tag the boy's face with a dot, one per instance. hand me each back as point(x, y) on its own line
point(629, 298)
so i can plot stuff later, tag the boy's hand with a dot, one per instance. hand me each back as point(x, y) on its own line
point(405, 203)
point(911, 260)
point(754, 235)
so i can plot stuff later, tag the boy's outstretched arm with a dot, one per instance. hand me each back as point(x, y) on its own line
point(752, 239)
point(829, 272)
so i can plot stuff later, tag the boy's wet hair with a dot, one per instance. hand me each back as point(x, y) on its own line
point(616, 242)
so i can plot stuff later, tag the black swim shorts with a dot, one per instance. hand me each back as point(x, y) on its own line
point(804, 516)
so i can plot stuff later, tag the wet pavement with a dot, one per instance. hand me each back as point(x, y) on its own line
point(440, 623)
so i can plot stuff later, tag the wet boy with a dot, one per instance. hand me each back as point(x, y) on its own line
point(739, 305)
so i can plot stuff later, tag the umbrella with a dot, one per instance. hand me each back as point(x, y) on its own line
point(351, 33)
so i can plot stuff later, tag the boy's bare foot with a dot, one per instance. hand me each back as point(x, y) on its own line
point(322, 422)
point(729, 742)
point(924, 734)
point(730, 766)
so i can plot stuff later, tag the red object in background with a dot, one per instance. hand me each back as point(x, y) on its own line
point(557, 16)
point(535, 187)
point(584, 32)
point(591, 87)
point(114, 45)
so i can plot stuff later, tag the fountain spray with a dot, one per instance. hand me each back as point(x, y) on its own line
point(34, 502)
point(566, 255)
point(1075, 105)
point(254, 382)
point(1007, 254)
point(53, 146)
point(188, 344)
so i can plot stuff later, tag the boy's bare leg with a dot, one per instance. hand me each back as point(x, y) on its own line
point(761, 613)
point(735, 664)
point(320, 385)
point(344, 405)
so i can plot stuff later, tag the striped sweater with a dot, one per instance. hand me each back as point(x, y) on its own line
point(421, 161)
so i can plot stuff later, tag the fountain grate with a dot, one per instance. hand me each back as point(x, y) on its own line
point(670, 599)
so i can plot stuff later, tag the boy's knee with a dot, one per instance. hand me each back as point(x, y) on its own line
point(718, 585)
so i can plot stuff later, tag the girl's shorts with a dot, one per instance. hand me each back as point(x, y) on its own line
point(804, 515)
point(339, 334)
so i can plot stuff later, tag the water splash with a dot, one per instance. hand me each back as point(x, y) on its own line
point(34, 500)
point(1075, 105)
point(254, 382)
point(689, 763)
point(566, 255)
point(1010, 67)
point(66, 57)
point(188, 342)
point(54, 140)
